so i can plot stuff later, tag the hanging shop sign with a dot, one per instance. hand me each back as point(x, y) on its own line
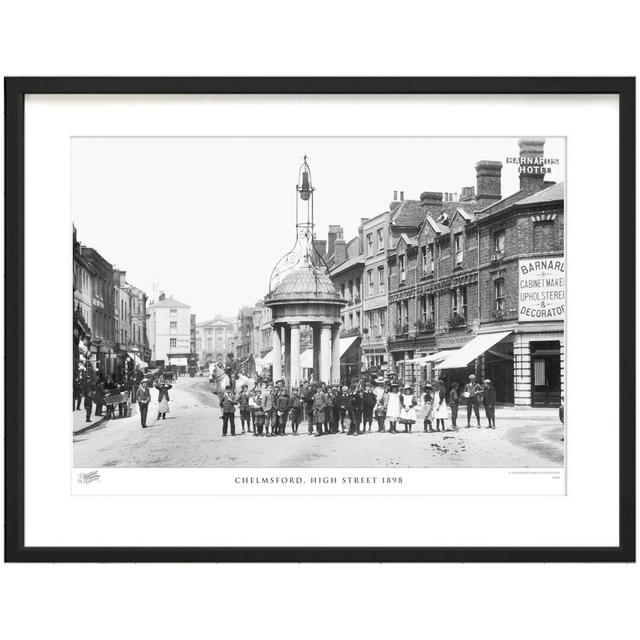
point(541, 288)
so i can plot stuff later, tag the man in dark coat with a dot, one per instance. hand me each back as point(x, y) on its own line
point(282, 406)
point(355, 411)
point(98, 396)
point(368, 405)
point(77, 393)
point(88, 391)
point(489, 402)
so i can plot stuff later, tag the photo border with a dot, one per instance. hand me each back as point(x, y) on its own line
point(15, 91)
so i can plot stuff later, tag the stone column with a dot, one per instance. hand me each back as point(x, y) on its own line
point(277, 353)
point(521, 371)
point(335, 354)
point(325, 353)
point(287, 355)
point(294, 358)
point(315, 329)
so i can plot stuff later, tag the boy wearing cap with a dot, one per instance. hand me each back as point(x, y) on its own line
point(243, 405)
point(143, 398)
point(228, 406)
point(342, 402)
point(369, 401)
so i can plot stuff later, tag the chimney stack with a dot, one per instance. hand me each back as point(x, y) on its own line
point(467, 193)
point(335, 232)
point(401, 196)
point(395, 196)
point(361, 235)
point(488, 173)
point(531, 167)
point(431, 199)
point(340, 251)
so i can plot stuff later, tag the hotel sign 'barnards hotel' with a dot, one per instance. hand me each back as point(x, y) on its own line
point(541, 289)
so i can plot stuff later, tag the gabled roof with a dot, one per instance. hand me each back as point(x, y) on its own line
point(436, 227)
point(409, 241)
point(551, 194)
point(168, 303)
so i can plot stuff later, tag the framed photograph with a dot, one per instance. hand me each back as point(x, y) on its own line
point(320, 319)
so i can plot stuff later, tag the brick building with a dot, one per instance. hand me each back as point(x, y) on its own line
point(103, 327)
point(479, 288)
point(346, 275)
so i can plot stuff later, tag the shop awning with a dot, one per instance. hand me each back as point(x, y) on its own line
point(267, 361)
point(345, 343)
point(434, 357)
point(463, 356)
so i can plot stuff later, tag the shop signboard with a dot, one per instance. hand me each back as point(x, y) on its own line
point(541, 289)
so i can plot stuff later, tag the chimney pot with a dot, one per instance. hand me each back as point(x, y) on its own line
point(401, 196)
point(395, 196)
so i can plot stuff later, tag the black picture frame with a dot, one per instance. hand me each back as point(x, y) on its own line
point(15, 91)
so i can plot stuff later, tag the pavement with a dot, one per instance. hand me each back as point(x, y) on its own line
point(191, 437)
point(80, 423)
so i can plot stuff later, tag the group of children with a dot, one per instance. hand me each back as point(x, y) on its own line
point(331, 409)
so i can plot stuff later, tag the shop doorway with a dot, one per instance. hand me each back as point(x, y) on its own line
point(545, 373)
point(498, 367)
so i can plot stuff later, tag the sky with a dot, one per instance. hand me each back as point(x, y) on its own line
point(206, 219)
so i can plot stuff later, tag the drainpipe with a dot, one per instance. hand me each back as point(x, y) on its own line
point(478, 285)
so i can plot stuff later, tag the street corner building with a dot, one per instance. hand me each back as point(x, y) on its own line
point(477, 285)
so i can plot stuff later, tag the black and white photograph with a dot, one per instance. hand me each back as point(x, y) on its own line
point(318, 302)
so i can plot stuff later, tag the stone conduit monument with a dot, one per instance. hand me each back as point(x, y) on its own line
point(301, 293)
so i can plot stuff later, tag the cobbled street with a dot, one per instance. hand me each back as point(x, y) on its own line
point(191, 436)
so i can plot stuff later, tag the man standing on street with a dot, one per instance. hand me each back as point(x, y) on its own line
point(88, 399)
point(471, 392)
point(144, 398)
point(489, 402)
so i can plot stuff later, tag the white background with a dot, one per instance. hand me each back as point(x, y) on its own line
point(290, 38)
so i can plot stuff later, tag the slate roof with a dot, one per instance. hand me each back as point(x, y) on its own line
point(410, 213)
point(169, 302)
point(550, 194)
point(347, 264)
point(524, 197)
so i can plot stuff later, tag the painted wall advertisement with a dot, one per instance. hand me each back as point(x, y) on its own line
point(541, 287)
